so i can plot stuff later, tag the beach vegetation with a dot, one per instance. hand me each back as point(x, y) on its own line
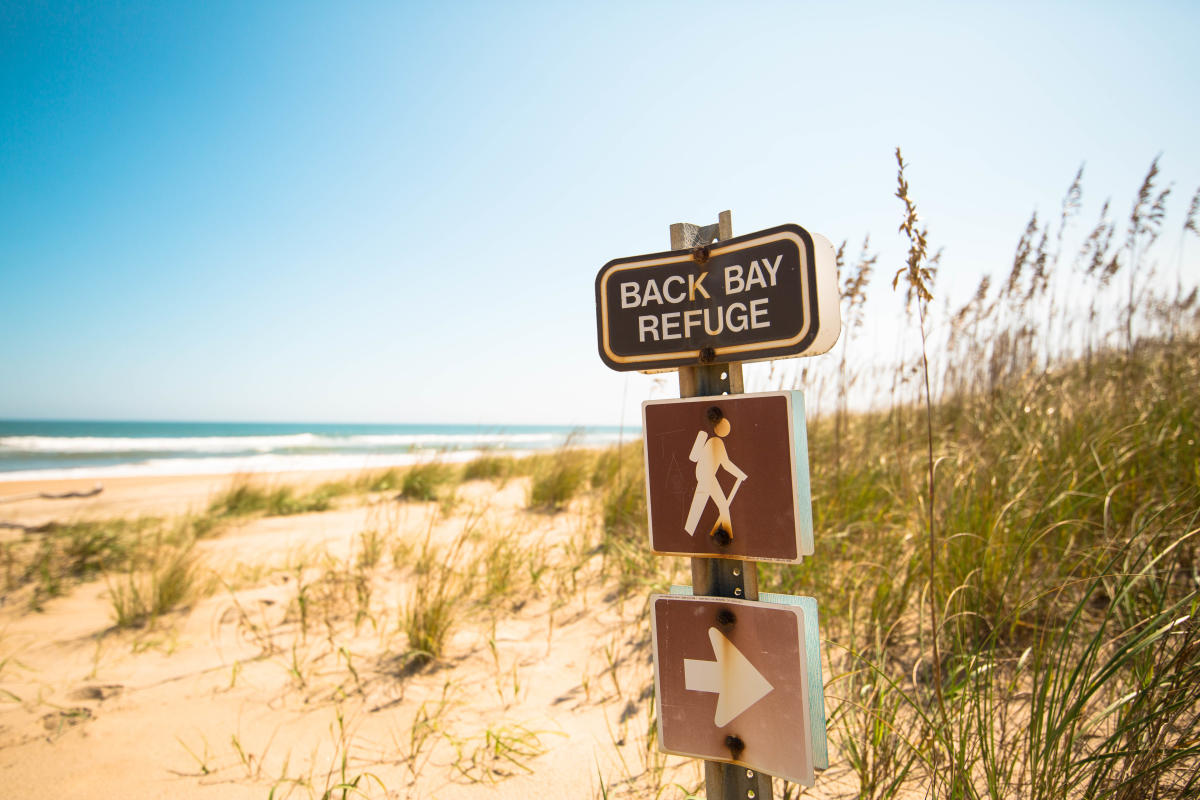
point(164, 576)
point(435, 600)
point(503, 750)
point(508, 568)
point(57, 555)
point(625, 538)
point(1007, 549)
point(611, 463)
point(427, 481)
point(244, 497)
point(557, 477)
point(387, 480)
point(490, 467)
point(372, 545)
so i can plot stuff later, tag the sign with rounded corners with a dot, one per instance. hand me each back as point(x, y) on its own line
point(727, 477)
point(765, 295)
point(732, 684)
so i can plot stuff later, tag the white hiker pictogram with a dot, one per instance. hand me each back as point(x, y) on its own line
point(709, 454)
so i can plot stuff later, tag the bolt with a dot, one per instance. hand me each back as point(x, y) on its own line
point(700, 254)
point(735, 744)
point(715, 414)
point(726, 618)
point(722, 537)
point(707, 355)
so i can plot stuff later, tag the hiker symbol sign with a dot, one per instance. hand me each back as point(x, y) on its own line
point(728, 476)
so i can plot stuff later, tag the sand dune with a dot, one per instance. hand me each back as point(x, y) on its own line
point(283, 680)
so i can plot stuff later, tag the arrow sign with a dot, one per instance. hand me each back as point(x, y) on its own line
point(737, 684)
point(710, 693)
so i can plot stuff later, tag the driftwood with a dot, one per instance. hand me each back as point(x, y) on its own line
point(12, 498)
point(16, 526)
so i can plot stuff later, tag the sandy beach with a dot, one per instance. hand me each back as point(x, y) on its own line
point(288, 672)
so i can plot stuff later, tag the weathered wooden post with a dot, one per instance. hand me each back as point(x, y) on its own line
point(720, 577)
point(703, 308)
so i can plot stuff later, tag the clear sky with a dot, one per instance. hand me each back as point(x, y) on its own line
point(396, 211)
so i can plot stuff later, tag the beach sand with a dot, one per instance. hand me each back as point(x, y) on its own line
point(288, 677)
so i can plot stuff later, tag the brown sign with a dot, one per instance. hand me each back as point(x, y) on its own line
point(770, 294)
point(727, 477)
point(732, 683)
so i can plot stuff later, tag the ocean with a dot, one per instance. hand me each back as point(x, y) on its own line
point(47, 450)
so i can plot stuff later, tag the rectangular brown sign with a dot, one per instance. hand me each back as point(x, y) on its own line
point(732, 684)
point(770, 294)
point(728, 477)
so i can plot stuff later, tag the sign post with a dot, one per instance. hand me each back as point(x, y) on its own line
point(738, 681)
point(712, 576)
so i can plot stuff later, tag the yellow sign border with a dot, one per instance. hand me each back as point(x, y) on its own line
point(716, 250)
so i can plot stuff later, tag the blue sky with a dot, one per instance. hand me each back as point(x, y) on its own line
point(396, 211)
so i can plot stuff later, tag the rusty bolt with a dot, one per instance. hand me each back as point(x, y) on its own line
point(714, 414)
point(735, 744)
point(726, 618)
point(700, 254)
point(707, 355)
point(722, 537)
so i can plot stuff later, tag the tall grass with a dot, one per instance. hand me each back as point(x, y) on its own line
point(244, 497)
point(625, 541)
point(435, 600)
point(1048, 646)
point(558, 477)
point(150, 565)
point(164, 577)
point(426, 481)
point(489, 467)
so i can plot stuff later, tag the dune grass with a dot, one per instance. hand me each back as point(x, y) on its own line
point(557, 477)
point(1070, 588)
point(490, 467)
point(1006, 553)
point(60, 555)
point(164, 577)
point(435, 601)
point(244, 497)
point(427, 481)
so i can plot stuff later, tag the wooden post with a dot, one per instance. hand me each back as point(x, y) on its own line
point(720, 577)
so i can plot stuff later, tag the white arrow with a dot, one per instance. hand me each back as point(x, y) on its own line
point(735, 681)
